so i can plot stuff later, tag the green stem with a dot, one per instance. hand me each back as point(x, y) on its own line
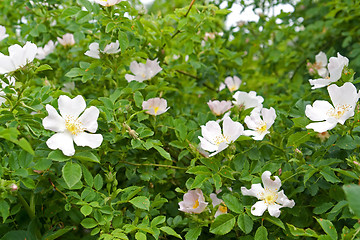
point(26, 206)
point(153, 164)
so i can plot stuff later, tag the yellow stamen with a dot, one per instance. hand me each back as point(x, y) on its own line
point(220, 139)
point(339, 111)
point(156, 109)
point(223, 208)
point(196, 204)
point(269, 197)
point(73, 125)
point(262, 127)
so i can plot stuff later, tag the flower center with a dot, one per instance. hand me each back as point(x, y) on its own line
point(196, 204)
point(262, 127)
point(143, 75)
point(156, 109)
point(73, 125)
point(220, 139)
point(269, 197)
point(223, 208)
point(339, 111)
point(232, 88)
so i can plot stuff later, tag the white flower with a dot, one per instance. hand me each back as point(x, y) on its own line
point(222, 209)
point(221, 87)
point(233, 83)
point(46, 50)
point(219, 108)
point(69, 127)
point(68, 87)
point(93, 51)
point(67, 40)
point(3, 34)
point(143, 71)
point(4, 85)
point(335, 67)
point(215, 141)
point(344, 100)
point(260, 126)
point(320, 64)
point(193, 202)
point(269, 196)
point(155, 106)
point(248, 100)
point(18, 57)
point(112, 48)
point(107, 3)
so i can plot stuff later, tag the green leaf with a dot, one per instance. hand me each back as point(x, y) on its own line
point(158, 220)
point(109, 27)
point(98, 182)
point(43, 67)
point(232, 203)
point(346, 142)
point(140, 236)
point(328, 227)
point(58, 156)
point(245, 223)
point(162, 152)
point(261, 234)
point(222, 224)
point(329, 175)
point(141, 202)
point(75, 72)
point(199, 170)
point(24, 144)
point(71, 173)
point(139, 99)
point(87, 176)
point(123, 41)
point(86, 210)
point(89, 223)
point(18, 235)
point(70, 11)
point(52, 235)
point(193, 233)
point(198, 182)
point(298, 138)
point(170, 231)
point(352, 193)
point(295, 231)
point(4, 210)
point(86, 156)
point(275, 221)
point(227, 172)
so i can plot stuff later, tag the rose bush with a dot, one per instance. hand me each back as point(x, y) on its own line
point(177, 118)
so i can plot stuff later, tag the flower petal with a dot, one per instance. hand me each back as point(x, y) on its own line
point(259, 208)
point(232, 129)
point(284, 201)
point(62, 141)
point(273, 185)
point(269, 116)
point(206, 145)
point(210, 131)
point(319, 83)
point(274, 210)
point(89, 119)
point(53, 121)
point(322, 126)
point(256, 190)
point(90, 140)
point(72, 107)
point(319, 110)
point(344, 95)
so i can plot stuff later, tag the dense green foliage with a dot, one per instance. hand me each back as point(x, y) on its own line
point(130, 186)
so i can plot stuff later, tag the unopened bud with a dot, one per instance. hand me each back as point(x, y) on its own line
point(13, 187)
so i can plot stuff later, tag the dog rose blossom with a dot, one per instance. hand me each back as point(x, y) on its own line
point(248, 100)
point(107, 3)
point(69, 127)
point(213, 140)
point(3, 34)
point(222, 209)
point(46, 50)
point(233, 83)
point(18, 57)
point(218, 108)
point(335, 68)
point(344, 100)
point(269, 196)
point(260, 126)
point(155, 106)
point(143, 71)
point(193, 202)
point(67, 40)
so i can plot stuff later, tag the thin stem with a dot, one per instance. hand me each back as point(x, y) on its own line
point(26, 206)
point(153, 164)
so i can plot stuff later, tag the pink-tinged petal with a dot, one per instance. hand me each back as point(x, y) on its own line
point(53, 121)
point(319, 111)
point(272, 185)
point(344, 95)
point(284, 201)
point(89, 119)
point(322, 126)
point(221, 87)
point(210, 131)
point(237, 82)
point(232, 129)
point(274, 210)
point(136, 68)
point(62, 141)
point(321, 59)
point(256, 190)
point(258, 208)
point(87, 139)
point(71, 107)
point(193, 202)
point(206, 145)
point(322, 72)
point(215, 200)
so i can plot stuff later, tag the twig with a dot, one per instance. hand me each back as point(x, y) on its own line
point(153, 164)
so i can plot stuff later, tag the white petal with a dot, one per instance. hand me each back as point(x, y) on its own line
point(215, 200)
point(87, 139)
point(210, 131)
point(232, 129)
point(206, 145)
point(321, 59)
point(269, 116)
point(222, 146)
point(256, 190)
point(89, 119)
point(284, 201)
point(322, 126)
point(274, 210)
point(137, 68)
point(62, 141)
point(72, 107)
point(6, 65)
point(129, 77)
point(344, 95)
point(53, 121)
point(319, 110)
point(273, 185)
point(322, 72)
point(319, 83)
point(258, 208)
